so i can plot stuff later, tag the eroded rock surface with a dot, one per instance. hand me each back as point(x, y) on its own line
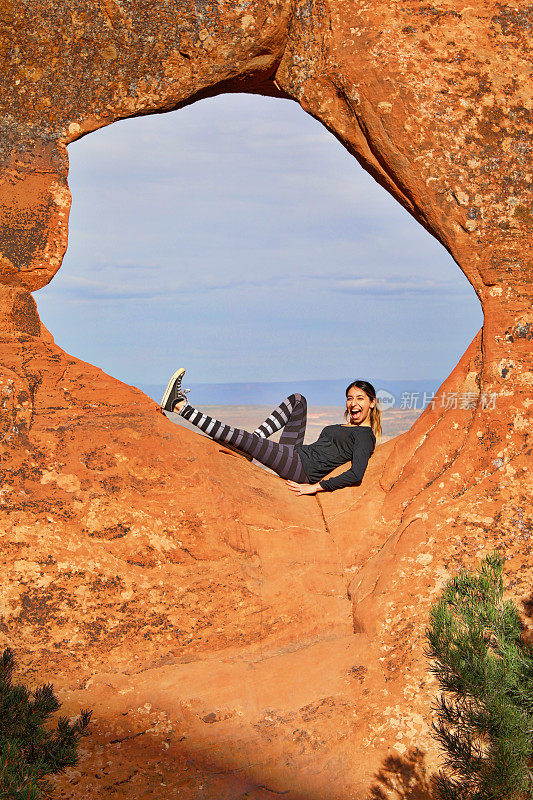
point(235, 641)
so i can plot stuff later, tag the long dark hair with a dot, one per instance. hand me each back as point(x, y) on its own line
point(375, 412)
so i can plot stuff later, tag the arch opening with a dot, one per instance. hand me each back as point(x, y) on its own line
point(238, 236)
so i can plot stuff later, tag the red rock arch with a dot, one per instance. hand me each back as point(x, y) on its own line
point(256, 645)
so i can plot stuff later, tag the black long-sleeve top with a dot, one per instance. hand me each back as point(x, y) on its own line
point(336, 445)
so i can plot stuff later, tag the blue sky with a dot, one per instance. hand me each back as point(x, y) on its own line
point(238, 238)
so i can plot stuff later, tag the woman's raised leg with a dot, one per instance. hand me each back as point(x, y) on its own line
point(279, 457)
point(291, 415)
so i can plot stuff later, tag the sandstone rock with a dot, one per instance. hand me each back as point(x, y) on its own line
point(233, 640)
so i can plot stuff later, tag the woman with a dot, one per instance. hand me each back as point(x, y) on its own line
point(304, 467)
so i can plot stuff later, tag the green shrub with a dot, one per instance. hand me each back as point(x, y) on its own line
point(28, 750)
point(484, 719)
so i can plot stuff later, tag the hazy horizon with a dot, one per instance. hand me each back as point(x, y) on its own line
point(326, 393)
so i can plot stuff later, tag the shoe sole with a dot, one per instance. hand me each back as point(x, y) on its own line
point(171, 382)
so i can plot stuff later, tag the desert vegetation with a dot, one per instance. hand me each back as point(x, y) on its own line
point(31, 750)
point(484, 715)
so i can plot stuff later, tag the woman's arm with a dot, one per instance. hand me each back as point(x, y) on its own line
point(363, 449)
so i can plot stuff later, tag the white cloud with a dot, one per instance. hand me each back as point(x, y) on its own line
point(390, 285)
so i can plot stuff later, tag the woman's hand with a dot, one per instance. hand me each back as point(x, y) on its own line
point(304, 488)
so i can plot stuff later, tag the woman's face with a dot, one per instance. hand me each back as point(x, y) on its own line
point(358, 405)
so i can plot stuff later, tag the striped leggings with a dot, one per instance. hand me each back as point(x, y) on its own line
point(282, 458)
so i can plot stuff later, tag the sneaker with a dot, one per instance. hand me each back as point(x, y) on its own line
point(174, 393)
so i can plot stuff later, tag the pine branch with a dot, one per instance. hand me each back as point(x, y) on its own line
point(484, 716)
point(29, 750)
